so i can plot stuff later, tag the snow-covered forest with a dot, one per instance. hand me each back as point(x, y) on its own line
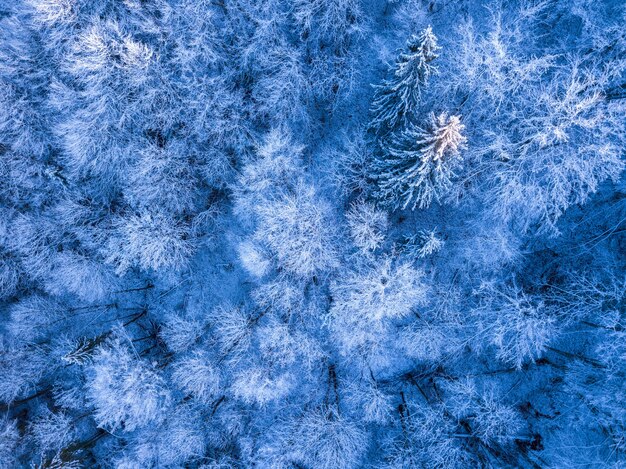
point(312, 234)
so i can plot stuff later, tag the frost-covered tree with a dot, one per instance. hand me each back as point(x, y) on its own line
point(291, 219)
point(180, 439)
point(367, 225)
point(520, 326)
point(383, 289)
point(32, 317)
point(9, 274)
point(330, 21)
point(23, 366)
point(23, 74)
point(197, 376)
point(398, 98)
point(485, 415)
point(259, 386)
point(111, 68)
point(163, 175)
point(278, 166)
point(181, 333)
point(376, 406)
point(320, 437)
point(297, 229)
point(544, 135)
point(349, 163)
point(9, 438)
point(419, 166)
point(365, 303)
point(126, 391)
point(330, 440)
point(282, 91)
point(233, 329)
point(427, 437)
point(597, 383)
point(149, 240)
point(52, 431)
point(423, 243)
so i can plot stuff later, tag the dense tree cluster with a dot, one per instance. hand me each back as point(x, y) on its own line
point(316, 234)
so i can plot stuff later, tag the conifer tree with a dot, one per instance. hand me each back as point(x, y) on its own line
point(397, 98)
point(420, 163)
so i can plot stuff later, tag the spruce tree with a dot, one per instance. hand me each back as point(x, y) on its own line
point(397, 98)
point(419, 165)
